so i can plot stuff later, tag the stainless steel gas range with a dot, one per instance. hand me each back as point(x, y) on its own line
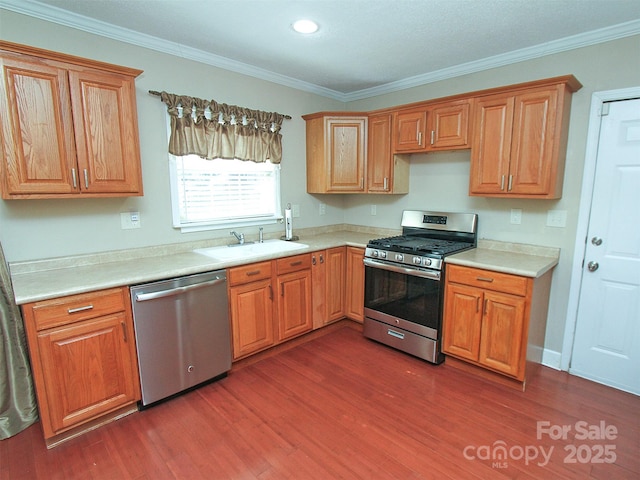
point(404, 280)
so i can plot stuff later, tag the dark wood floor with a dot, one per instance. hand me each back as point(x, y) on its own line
point(341, 406)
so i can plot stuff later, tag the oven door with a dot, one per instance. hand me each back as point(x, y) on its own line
point(408, 298)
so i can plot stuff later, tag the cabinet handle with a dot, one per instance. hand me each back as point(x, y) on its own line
point(75, 179)
point(321, 258)
point(253, 273)
point(295, 264)
point(86, 178)
point(486, 302)
point(282, 289)
point(386, 184)
point(420, 138)
point(433, 134)
point(124, 332)
point(484, 279)
point(362, 183)
point(510, 183)
point(502, 183)
point(477, 304)
point(313, 260)
point(270, 292)
point(80, 309)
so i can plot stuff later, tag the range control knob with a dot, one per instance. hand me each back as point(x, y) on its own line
point(417, 260)
point(399, 257)
point(427, 262)
point(383, 254)
point(374, 253)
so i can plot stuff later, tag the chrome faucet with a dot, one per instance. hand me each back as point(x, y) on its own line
point(240, 237)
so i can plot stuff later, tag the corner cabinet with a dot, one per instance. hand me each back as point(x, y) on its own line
point(355, 284)
point(350, 152)
point(494, 320)
point(520, 139)
point(69, 126)
point(328, 285)
point(83, 357)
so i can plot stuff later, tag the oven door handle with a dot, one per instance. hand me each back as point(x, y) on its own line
point(431, 274)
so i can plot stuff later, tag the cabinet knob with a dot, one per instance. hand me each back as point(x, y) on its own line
point(593, 266)
point(597, 241)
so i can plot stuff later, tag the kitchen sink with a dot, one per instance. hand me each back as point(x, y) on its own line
point(249, 250)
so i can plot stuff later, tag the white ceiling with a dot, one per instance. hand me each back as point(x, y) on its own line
point(363, 47)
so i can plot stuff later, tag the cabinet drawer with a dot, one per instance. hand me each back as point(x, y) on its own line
point(293, 264)
point(249, 273)
point(488, 279)
point(75, 308)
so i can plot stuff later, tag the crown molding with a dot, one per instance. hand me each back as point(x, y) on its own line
point(63, 17)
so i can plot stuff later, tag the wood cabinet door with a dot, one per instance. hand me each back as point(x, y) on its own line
point(37, 129)
point(502, 338)
point(319, 286)
point(409, 131)
point(106, 126)
point(251, 308)
point(462, 321)
point(449, 126)
point(533, 163)
point(335, 286)
point(379, 157)
point(89, 369)
point(294, 304)
point(491, 145)
point(355, 284)
point(347, 150)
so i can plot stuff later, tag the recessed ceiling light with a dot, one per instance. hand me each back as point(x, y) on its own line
point(305, 26)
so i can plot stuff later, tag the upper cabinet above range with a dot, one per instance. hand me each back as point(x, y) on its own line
point(69, 126)
point(517, 135)
point(432, 127)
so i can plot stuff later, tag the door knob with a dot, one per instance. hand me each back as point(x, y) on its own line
point(592, 266)
point(597, 241)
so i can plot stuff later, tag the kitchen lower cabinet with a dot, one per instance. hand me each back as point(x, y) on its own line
point(83, 358)
point(69, 126)
point(294, 296)
point(328, 269)
point(251, 308)
point(354, 308)
point(495, 320)
point(270, 302)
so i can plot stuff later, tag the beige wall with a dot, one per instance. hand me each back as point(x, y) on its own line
point(48, 228)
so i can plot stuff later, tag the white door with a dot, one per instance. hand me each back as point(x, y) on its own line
point(607, 338)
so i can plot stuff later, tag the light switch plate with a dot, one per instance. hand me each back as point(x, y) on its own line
point(323, 209)
point(516, 216)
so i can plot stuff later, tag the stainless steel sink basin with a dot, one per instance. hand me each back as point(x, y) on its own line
point(249, 250)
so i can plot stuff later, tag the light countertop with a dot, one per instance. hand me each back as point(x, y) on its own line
point(515, 258)
point(59, 277)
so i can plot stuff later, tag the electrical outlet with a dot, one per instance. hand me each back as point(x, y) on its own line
point(129, 220)
point(374, 210)
point(295, 210)
point(516, 216)
point(323, 209)
point(557, 218)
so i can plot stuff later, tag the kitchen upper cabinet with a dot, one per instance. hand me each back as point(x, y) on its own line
point(336, 152)
point(495, 320)
point(519, 142)
point(69, 126)
point(328, 269)
point(83, 357)
point(386, 172)
point(432, 127)
point(355, 284)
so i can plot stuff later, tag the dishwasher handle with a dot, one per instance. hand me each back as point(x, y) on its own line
point(143, 297)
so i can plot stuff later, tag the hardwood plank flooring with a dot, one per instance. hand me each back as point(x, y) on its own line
point(336, 405)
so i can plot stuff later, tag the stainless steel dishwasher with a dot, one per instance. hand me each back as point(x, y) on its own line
point(182, 333)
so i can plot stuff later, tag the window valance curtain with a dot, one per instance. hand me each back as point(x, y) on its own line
point(216, 130)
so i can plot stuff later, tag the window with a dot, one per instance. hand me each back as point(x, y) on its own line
point(210, 194)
